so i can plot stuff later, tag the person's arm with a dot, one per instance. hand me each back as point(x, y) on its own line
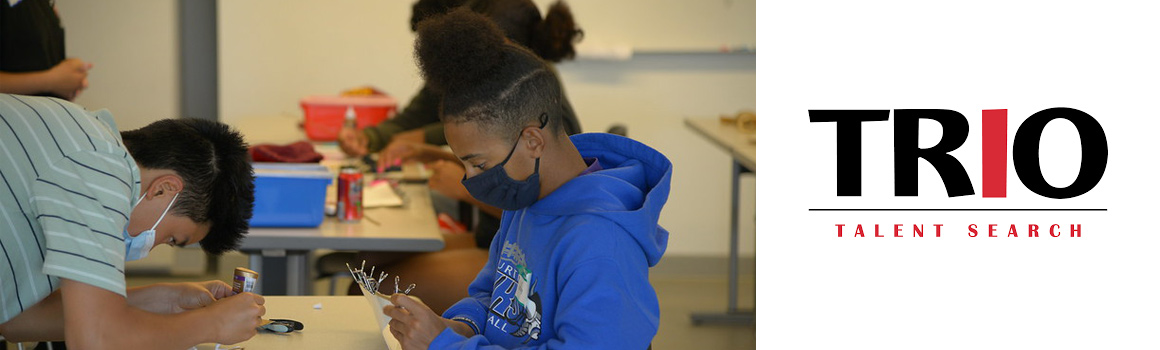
point(65, 80)
point(98, 319)
point(171, 298)
point(90, 317)
point(401, 151)
point(43, 321)
point(422, 110)
point(433, 134)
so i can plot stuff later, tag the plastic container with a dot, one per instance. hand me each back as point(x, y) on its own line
point(289, 194)
point(325, 114)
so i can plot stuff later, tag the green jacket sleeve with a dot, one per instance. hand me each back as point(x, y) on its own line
point(421, 112)
point(433, 134)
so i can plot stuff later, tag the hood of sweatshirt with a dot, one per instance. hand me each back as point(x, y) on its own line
point(630, 190)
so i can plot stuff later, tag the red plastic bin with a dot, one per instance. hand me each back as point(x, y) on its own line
point(325, 114)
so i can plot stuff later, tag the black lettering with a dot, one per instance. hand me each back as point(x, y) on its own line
point(849, 144)
point(1093, 161)
point(907, 152)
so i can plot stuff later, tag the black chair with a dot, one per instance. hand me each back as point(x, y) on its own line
point(333, 266)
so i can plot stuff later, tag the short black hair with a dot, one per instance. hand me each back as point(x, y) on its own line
point(214, 162)
point(484, 78)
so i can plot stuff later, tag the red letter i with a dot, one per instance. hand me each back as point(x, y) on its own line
point(994, 153)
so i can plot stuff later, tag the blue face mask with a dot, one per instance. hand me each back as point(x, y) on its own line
point(494, 186)
point(138, 247)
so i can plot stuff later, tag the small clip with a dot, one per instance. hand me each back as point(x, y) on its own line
point(278, 325)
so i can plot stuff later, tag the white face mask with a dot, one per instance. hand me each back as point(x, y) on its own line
point(138, 247)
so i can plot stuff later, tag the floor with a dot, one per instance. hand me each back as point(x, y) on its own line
point(682, 291)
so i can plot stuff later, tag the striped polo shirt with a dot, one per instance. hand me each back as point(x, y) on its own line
point(67, 186)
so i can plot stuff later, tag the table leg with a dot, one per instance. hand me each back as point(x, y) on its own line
point(298, 272)
point(270, 264)
point(256, 265)
point(732, 314)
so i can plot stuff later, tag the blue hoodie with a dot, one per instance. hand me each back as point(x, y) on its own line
point(571, 270)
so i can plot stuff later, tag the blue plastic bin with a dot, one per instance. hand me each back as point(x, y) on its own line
point(289, 195)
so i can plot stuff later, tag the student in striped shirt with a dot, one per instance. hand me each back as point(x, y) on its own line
point(78, 198)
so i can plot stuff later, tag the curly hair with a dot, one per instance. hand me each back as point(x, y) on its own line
point(552, 37)
point(423, 9)
point(213, 162)
point(484, 78)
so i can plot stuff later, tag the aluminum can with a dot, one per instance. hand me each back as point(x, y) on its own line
point(244, 280)
point(350, 201)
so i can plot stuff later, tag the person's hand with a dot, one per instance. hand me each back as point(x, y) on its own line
point(353, 142)
point(171, 298)
point(404, 146)
point(412, 322)
point(219, 289)
point(190, 295)
point(237, 317)
point(447, 179)
point(69, 77)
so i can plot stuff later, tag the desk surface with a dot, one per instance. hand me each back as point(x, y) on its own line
point(343, 322)
point(728, 137)
point(412, 228)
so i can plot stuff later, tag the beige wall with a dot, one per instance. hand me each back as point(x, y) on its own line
point(133, 46)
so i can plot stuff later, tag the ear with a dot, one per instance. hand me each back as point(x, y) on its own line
point(535, 137)
point(168, 183)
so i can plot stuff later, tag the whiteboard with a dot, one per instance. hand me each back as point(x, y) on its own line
point(666, 25)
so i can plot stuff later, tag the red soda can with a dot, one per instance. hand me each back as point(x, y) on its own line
point(350, 186)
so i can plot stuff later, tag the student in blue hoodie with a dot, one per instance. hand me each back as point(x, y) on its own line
point(568, 268)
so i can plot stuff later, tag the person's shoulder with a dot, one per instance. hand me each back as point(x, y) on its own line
point(593, 228)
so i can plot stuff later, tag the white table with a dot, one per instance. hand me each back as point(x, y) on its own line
point(410, 228)
point(343, 322)
point(744, 152)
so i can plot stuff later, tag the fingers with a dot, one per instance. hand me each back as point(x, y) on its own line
point(352, 142)
point(206, 298)
point(406, 302)
point(397, 329)
point(218, 289)
point(381, 164)
point(395, 312)
point(391, 156)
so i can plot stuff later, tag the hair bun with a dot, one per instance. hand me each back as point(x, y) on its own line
point(458, 49)
point(555, 36)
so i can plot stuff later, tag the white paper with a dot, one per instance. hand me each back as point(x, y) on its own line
point(380, 194)
point(377, 302)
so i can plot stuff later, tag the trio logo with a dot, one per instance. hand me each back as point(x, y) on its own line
point(1025, 150)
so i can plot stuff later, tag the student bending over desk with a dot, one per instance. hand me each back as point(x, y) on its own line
point(569, 267)
point(81, 198)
